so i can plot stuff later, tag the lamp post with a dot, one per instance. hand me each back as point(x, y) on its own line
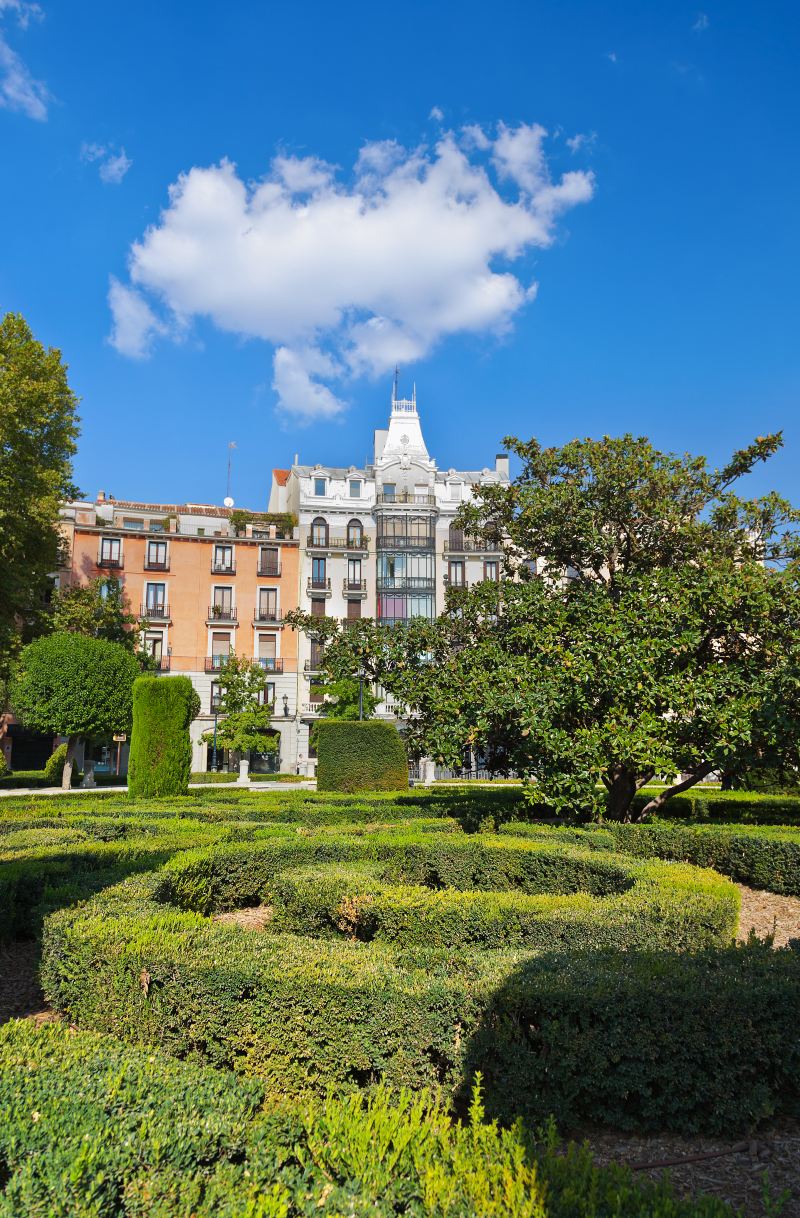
point(361, 675)
point(286, 706)
point(214, 747)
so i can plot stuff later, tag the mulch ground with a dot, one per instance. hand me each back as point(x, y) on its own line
point(759, 1176)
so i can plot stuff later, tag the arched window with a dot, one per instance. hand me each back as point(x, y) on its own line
point(319, 532)
point(456, 538)
point(355, 533)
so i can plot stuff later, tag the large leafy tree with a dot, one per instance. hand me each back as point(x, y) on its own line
point(241, 685)
point(74, 686)
point(98, 609)
point(656, 634)
point(38, 430)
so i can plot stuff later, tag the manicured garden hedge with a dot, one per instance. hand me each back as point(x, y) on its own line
point(161, 752)
point(357, 981)
point(366, 755)
point(731, 807)
point(92, 1127)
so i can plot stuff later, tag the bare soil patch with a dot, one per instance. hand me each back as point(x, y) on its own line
point(252, 917)
point(759, 1177)
point(766, 913)
point(21, 995)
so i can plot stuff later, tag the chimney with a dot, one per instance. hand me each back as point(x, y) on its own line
point(101, 496)
point(501, 466)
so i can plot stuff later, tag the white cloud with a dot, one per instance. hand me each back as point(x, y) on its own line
point(346, 277)
point(436, 114)
point(583, 140)
point(112, 166)
point(135, 323)
point(701, 23)
point(18, 89)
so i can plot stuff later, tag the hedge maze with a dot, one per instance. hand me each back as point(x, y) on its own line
point(410, 944)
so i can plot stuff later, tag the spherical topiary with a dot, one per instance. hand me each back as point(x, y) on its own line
point(360, 755)
point(161, 751)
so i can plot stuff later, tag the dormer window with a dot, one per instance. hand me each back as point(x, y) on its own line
point(321, 486)
point(355, 488)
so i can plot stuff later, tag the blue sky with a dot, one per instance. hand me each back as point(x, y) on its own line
point(272, 290)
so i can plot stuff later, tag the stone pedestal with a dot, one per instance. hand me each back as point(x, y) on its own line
point(244, 772)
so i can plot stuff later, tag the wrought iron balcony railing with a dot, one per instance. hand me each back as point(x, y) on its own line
point(221, 613)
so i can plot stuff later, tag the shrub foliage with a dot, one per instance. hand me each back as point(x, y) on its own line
point(365, 755)
point(161, 752)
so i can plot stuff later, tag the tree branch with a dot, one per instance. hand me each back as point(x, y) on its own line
point(658, 802)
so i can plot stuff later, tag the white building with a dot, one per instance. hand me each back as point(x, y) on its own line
point(378, 541)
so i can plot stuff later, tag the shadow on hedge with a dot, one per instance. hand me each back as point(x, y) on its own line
point(708, 1041)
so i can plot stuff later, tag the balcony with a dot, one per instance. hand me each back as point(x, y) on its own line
point(269, 663)
point(110, 561)
point(405, 499)
point(319, 585)
point(471, 545)
point(154, 613)
point(355, 587)
point(459, 582)
point(161, 664)
point(393, 542)
point(406, 583)
point(273, 615)
point(223, 568)
point(221, 613)
point(360, 544)
point(154, 564)
point(216, 663)
point(312, 708)
point(269, 570)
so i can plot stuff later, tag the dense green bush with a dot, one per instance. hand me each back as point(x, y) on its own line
point(746, 807)
point(3, 764)
point(54, 766)
point(212, 776)
point(357, 981)
point(92, 1127)
point(353, 755)
point(161, 751)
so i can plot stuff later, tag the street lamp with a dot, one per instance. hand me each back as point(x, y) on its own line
point(286, 705)
point(214, 767)
point(361, 676)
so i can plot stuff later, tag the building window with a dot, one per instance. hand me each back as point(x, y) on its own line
point(110, 552)
point(319, 573)
point(355, 533)
point(389, 490)
point(455, 491)
point(354, 574)
point(133, 524)
point(155, 600)
point(267, 652)
point(154, 646)
point(268, 560)
point(317, 651)
point(220, 648)
point(455, 538)
point(223, 558)
point(267, 695)
point(319, 532)
point(491, 569)
point(353, 610)
point(320, 486)
point(355, 488)
point(456, 574)
point(222, 602)
point(268, 604)
point(157, 555)
point(317, 606)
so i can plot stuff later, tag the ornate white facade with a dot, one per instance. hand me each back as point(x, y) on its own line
point(378, 541)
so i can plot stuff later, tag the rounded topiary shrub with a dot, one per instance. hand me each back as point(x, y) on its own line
point(360, 755)
point(161, 751)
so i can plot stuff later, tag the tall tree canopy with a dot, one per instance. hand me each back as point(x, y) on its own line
point(98, 609)
point(38, 430)
point(649, 626)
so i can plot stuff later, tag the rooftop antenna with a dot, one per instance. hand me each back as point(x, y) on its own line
point(231, 446)
point(394, 386)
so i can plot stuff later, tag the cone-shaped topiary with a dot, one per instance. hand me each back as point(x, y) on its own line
point(161, 752)
point(360, 755)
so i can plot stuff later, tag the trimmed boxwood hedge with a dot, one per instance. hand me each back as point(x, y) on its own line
point(733, 807)
point(161, 751)
point(357, 981)
point(92, 1127)
point(366, 755)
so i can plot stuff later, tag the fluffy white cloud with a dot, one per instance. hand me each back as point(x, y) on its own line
point(112, 166)
point(135, 323)
point(345, 278)
point(18, 89)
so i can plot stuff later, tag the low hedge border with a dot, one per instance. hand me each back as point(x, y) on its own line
point(95, 1127)
point(731, 807)
point(574, 1033)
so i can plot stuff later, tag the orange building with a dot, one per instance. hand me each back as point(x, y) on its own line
point(205, 591)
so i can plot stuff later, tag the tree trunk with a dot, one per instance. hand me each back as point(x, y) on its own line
point(66, 776)
point(656, 804)
point(620, 795)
